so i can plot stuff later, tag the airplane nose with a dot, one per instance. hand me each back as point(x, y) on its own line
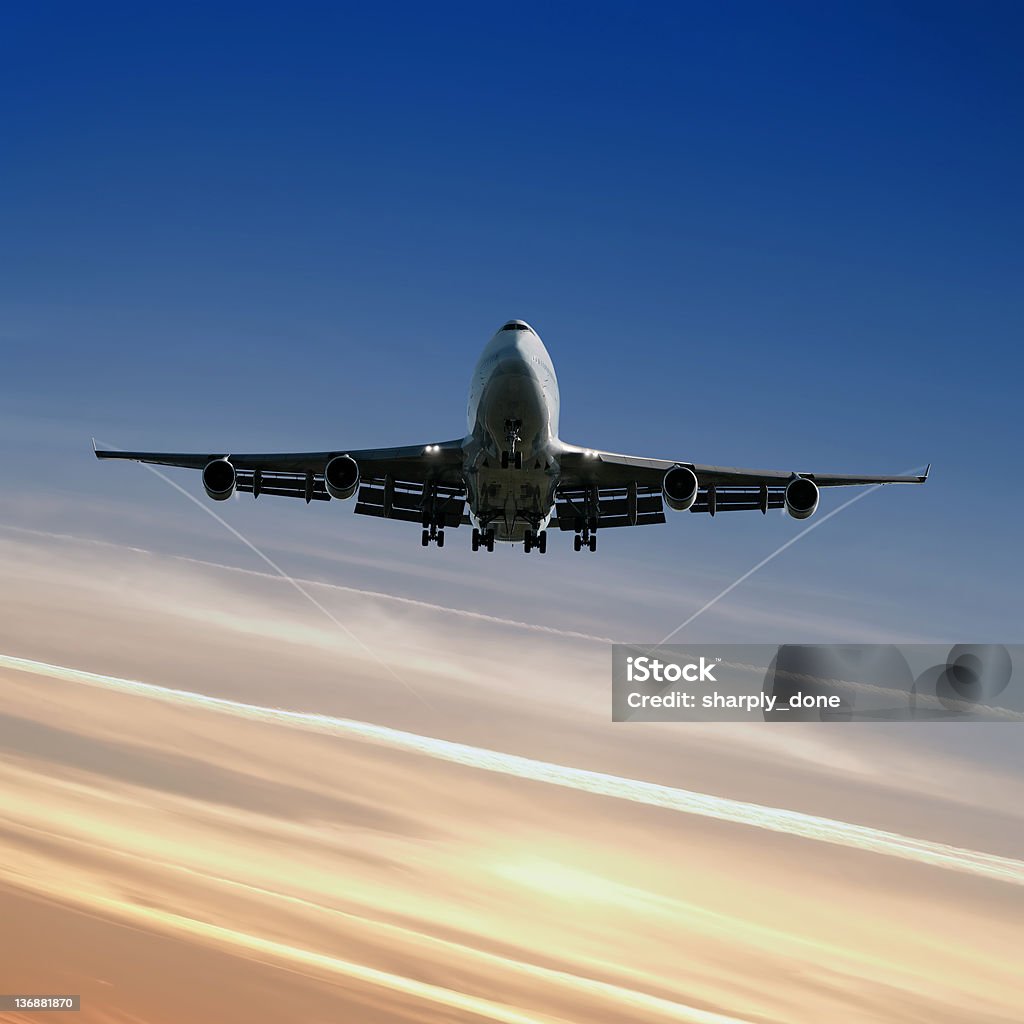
point(511, 362)
point(515, 344)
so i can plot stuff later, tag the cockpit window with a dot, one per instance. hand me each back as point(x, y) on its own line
point(514, 325)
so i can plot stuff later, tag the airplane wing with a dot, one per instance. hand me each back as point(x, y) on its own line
point(415, 483)
point(627, 490)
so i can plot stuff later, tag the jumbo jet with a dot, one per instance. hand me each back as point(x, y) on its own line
point(510, 477)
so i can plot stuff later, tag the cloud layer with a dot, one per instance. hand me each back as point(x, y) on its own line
point(354, 862)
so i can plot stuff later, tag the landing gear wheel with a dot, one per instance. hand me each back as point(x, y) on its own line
point(440, 539)
point(425, 538)
point(593, 542)
point(519, 460)
point(542, 542)
point(476, 539)
point(504, 460)
point(528, 541)
point(577, 543)
point(490, 540)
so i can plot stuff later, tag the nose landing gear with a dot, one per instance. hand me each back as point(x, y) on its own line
point(512, 455)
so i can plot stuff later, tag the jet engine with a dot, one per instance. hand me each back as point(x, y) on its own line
point(219, 479)
point(341, 477)
point(679, 488)
point(801, 497)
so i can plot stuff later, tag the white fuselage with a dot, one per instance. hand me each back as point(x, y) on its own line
point(513, 408)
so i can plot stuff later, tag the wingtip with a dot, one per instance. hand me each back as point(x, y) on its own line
point(100, 453)
point(927, 470)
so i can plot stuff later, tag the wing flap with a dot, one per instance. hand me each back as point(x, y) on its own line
point(739, 499)
point(607, 507)
point(411, 502)
point(284, 485)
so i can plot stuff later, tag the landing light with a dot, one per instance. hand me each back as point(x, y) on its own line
point(431, 448)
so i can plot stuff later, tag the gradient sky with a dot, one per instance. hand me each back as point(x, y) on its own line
point(761, 235)
point(767, 235)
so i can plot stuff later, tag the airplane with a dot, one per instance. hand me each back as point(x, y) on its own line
point(510, 477)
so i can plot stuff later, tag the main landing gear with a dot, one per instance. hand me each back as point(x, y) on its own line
point(585, 538)
point(432, 533)
point(483, 539)
point(533, 540)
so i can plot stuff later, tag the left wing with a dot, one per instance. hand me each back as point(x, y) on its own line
point(626, 490)
point(416, 483)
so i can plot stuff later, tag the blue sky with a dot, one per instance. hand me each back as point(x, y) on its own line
point(765, 235)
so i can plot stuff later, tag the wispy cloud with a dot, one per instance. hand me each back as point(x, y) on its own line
point(774, 819)
point(265, 793)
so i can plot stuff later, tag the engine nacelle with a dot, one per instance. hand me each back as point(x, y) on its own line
point(341, 477)
point(219, 479)
point(679, 488)
point(801, 497)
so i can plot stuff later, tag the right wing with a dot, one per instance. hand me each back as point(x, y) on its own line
point(412, 483)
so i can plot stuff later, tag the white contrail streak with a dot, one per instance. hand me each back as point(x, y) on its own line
point(429, 606)
point(298, 586)
point(772, 819)
point(764, 561)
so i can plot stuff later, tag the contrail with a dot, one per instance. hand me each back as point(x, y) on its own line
point(430, 606)
point(764, 561)
point(298, 586)
point(772, 819)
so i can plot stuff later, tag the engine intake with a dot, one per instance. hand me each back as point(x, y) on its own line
point(679, 488)
point(341, 477)
point(219, 479)
point(801, 497)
